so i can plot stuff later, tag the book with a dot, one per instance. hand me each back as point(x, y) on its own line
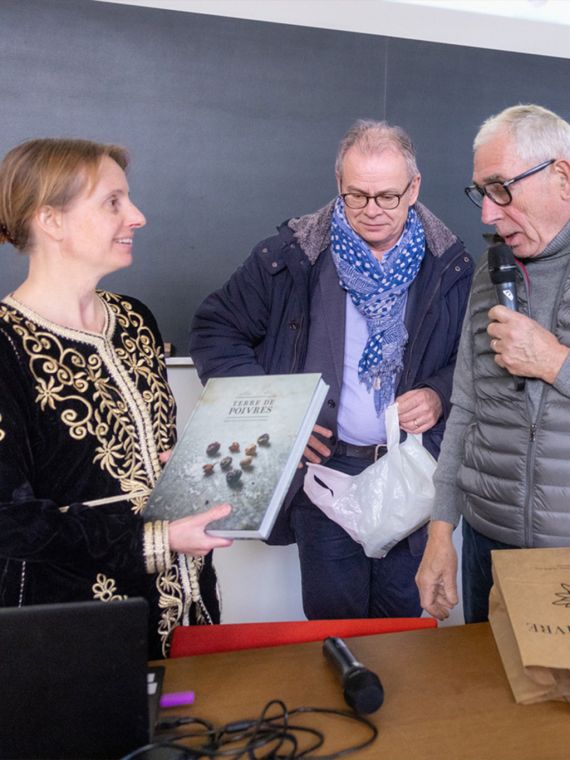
point(241, 446)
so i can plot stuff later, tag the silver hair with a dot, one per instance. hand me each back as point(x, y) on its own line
point(538, 134)
point(372, 137)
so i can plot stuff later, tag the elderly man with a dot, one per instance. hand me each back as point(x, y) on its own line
point(370, 291)
point(504, 460)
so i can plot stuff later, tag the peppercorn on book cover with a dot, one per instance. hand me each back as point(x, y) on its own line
point(241, 445)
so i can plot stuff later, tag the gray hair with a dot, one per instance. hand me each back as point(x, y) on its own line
point(539, 134)
point(372, 137)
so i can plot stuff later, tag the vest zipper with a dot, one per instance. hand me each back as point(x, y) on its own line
point(531, 443)
point(530, 457)
point(531, 453)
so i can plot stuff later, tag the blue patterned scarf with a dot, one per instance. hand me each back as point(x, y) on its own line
point(379, 290)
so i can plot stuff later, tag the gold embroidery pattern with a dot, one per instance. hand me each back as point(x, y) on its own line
point(161, 545)
point(113, 388)
point(104, 589)
point(148, 548)
point(145, 362)
point(100, 398)
point(170, 602)
point(179, 591)
point(156, 550)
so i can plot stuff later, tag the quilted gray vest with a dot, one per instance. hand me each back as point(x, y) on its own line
point(515, 472)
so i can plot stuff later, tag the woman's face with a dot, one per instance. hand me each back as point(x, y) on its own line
point(98, 226)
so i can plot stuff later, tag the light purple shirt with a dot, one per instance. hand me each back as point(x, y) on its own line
point(357, 420)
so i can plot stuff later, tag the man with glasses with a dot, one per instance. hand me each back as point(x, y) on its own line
point(504, 463)
point(370, 291)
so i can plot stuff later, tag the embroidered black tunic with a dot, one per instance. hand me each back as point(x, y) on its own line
point(83, 417)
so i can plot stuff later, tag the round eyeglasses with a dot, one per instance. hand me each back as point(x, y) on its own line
point(499, 192)
point(386, 201)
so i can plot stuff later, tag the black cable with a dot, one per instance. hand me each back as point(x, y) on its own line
point(141, 751)
point(344, 714)
point(175, 722)
point(271, 736)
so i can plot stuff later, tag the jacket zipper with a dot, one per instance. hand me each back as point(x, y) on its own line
point(427, 308)
point(294, 366)
point(22, 583)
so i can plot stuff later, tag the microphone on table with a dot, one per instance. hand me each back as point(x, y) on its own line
point(362, 688)
point(502, 271)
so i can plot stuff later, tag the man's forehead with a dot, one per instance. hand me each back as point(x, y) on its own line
point(374, 152)
point(496, 159)
point(388, 160)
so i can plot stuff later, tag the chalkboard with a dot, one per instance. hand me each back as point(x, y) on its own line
point(233, 125)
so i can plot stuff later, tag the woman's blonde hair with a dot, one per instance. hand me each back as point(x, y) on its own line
point(46, 172)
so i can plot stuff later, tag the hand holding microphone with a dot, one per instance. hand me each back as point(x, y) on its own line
point(522, 345)
point(502, 271)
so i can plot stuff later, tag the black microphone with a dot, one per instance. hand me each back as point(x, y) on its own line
point(362, 688)
point(502, 271)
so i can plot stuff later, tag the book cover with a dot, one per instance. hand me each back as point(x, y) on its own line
point(242, 446)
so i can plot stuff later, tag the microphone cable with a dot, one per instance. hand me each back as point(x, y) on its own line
point(271, 736)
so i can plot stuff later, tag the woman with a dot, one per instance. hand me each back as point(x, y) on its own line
point(86, 413)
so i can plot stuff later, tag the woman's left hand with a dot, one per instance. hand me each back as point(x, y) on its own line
point(188, 535)
point(164, 456)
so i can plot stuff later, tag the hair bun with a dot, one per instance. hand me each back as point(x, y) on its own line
point(4, 234)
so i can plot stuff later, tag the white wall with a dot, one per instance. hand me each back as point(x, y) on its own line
point(523, 26)
point(258, 582)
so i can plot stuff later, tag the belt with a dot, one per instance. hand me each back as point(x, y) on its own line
point(371, 452)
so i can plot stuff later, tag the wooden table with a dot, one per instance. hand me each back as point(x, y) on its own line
point(446, 695)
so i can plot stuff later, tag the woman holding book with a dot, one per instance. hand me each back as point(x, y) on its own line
point(86, 415)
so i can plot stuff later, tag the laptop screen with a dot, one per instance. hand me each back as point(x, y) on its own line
point(74, 680)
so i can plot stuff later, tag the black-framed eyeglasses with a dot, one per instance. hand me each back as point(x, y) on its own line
point(499, 192)
point(386, 201)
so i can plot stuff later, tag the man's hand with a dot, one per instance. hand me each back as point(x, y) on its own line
point(316, 449)
point(419, 410)
point(437, 574)
point(523, 347)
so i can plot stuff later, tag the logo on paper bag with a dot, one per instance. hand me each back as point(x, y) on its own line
point(562, 600)
point(564, 596)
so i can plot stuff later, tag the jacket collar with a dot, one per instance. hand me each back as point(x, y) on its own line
point(312, 231)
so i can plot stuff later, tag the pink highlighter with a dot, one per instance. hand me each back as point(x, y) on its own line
point(177, 699)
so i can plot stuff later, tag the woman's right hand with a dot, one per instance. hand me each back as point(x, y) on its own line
point(188, 535)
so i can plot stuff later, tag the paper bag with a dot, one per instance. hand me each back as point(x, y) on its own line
point(529, 612)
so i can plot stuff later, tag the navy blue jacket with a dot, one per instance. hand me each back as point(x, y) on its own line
point(258, 322)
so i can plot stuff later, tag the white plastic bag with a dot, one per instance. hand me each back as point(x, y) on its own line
point(388, 500)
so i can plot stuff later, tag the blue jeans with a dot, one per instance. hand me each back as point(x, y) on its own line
point(338, 579)
point(477, 573)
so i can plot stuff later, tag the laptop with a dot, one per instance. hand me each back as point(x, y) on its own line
point(74, 680)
